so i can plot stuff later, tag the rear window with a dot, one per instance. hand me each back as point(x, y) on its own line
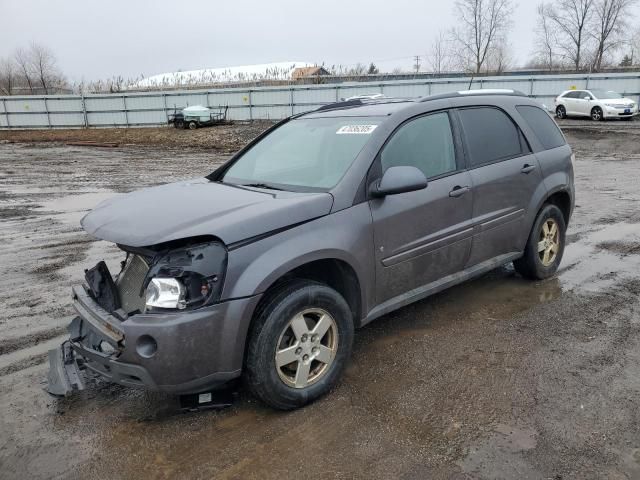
point(491, 135)
point(542, 125)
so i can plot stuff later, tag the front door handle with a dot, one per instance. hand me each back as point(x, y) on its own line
point(458, 191)
point(528, 168)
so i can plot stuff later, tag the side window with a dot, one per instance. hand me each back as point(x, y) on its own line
point(542, 125)
point(425, 143)
point(573, 94)
point(490, 134)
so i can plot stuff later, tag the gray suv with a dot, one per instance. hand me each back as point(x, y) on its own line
point(324, 223)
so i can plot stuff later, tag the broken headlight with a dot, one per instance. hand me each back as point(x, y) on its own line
point(186, 277)
point(165, 293)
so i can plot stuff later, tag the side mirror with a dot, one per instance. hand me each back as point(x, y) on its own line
point(587, 97)
point(399, 180)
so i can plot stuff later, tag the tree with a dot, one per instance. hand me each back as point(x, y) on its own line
point(483, 26)
point(373, 70)
point(440, 57)
point(44, 67)
point(25, 68)
point(626, 61)
point(499, 59)
point(609, 23)
point(546, 39)
point(7, 76)
point(571, 19)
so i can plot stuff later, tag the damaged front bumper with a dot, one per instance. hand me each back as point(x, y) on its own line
point(179, 352)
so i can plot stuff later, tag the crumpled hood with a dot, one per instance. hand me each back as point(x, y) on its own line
point(200, 207)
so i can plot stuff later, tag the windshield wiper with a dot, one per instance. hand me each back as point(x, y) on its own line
point(259, 185)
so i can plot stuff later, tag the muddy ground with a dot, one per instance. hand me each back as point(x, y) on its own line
point(224, 138)
point(495, 378)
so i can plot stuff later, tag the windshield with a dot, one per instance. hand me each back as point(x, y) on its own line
point(307, 152)
point(605, 94)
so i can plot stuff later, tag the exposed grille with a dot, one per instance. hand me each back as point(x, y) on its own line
point(129, 284)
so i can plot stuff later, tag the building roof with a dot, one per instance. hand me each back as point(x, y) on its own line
point(302, 72)
point(238, 74)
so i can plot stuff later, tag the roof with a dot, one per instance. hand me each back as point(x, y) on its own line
point(243, 73)
point(301, 72)
point(379, 106)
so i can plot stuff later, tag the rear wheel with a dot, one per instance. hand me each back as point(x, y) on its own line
point(561, 112)
point(299, 344)
point(193, 125)
point(596, 114)
point(545, 246)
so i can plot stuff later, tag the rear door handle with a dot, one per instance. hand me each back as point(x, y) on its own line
point(528, 168)
point(458, 191)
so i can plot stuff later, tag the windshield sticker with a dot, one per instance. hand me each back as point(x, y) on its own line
point(356, 130)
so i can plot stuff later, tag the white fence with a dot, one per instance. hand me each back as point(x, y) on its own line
point(139, 109)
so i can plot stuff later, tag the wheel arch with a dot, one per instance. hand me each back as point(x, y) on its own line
point(560, 196)
point(331, 270)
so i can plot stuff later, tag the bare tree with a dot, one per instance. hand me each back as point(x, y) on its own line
point(25, 68)
point(483, 26)
point(609, 23)
point(571, 19)
point(7, 76)
point(546, 39)
point(632, 45)
point(499, 59)
point(440, 56)
point(45, 68)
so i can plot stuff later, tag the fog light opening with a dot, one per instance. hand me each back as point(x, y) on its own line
point(146, 346)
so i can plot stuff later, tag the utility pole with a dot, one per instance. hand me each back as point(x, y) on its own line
point(417, 65)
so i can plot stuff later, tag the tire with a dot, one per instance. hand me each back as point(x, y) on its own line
point(272, 332)
point(596, 114)
point(561, 112)
point(193, 125)
point(535, 264)
point(179, 124)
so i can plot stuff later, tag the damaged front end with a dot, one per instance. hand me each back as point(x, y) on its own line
point(131, 328)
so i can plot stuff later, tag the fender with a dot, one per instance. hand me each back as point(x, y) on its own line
point(253, 268)
point(541, 195)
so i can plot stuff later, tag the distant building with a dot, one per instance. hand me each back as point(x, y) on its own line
point(305, 72)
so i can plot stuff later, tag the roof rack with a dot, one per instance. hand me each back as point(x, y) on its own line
point(481, 91)
point(361, 100)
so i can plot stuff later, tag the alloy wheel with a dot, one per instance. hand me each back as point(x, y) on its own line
point(306, 348)
point(549, 242)
point(596, 114)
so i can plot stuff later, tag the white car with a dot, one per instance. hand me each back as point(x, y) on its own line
point(595, 103)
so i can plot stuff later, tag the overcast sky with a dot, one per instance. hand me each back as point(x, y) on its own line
point(99, 39)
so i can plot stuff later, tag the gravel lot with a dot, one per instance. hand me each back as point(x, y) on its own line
point(495, 378)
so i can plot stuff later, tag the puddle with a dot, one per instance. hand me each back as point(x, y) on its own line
point(588, 266)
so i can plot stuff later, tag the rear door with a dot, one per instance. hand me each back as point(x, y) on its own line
point(570, 103)
point(504, 176)
point(424, 235)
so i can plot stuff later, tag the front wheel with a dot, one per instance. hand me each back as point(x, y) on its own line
point(561, 112)
point(299, 344)
point(596, 114)
point(545, 246)
point(193, 125)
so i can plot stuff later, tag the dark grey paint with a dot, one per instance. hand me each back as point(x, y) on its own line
point(401, 247)
point(200, 207)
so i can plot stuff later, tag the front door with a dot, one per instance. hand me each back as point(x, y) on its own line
point(504, 175)
point(424, 235)
point(582, 105)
